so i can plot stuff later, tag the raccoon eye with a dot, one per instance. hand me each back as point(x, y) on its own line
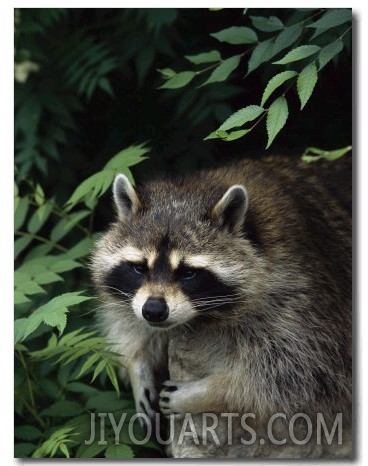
point(188, 274)
point(140, 269)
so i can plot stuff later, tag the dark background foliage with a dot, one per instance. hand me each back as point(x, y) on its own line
point(80, 129)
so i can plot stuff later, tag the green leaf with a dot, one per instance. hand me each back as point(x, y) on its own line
point(63, 265)
point(92, 450)
point(23, 450)
point(225, 136)
point(20, 298)
point(276, 82)
point(64, 450)
point(249, 113)
point(233, 135)
point(92, 188)
point(113, 378)
point(207, 57)
point(27, 432)
point(179, 80)
point(52, 313)
point(39, 217)
point(328, 52)
point(21, 212)
point(286, 38)
point(39, 195)
point(20, 244)
point(105, 85)
point(99, 368)
point(223, 70)
point(261, 53)
point(264, 24)
point(305, 84)
point(276, 118)
point(119, 451)
point(65, 225)
point(324, 154)
point(298, 53)
point(127, 157)
point(81, 249)
point(64, 408)
point(332, 18)
point(79, 387)
point(167, 73)
point(88, 364)
point(236, 35)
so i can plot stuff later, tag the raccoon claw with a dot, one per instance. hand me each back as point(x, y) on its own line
point(167, 402)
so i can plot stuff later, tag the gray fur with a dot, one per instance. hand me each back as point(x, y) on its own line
point(284, 342)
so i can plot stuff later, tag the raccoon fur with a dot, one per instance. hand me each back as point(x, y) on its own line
point(254, 261)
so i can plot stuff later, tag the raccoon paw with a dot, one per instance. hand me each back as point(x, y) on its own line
point(176, 398)
point(147, 403)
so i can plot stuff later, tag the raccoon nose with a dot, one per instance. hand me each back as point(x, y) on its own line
point(155, 310)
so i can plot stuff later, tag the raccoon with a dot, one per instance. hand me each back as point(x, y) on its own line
point(252, 263)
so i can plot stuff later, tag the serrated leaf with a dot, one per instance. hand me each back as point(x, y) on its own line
point(305, 83)
point(276, 82)
point(299, 53)
point(328, 52)
point(119, 451)
point(332, 18)
point(249, 113)
point(261, 53)
point(52, 313)
point(276, 118)
point(236, 35)
point(286, 38)
point(271, 24)
point(127, 157)
point(206, 57)
point(179, 80)
point(222, 71)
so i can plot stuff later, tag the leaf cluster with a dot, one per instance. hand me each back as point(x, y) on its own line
point(304, 46)
point(63, 369)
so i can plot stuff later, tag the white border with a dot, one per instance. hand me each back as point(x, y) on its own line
point(6, 193)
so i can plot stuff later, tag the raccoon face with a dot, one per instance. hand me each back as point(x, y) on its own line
point(171, 258)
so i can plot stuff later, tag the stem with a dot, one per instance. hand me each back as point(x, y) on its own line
point(42, 240)
point(31, 407)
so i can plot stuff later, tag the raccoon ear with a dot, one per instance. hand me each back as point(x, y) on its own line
point(125, 197)
point(231, 208)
